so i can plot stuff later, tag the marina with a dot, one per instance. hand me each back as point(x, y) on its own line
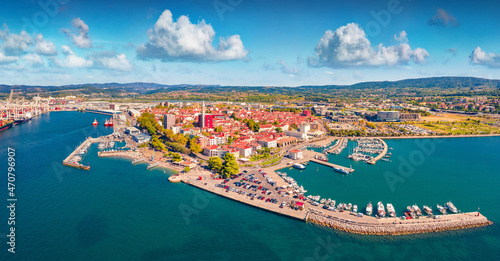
point(89, 191)
point(369, 150)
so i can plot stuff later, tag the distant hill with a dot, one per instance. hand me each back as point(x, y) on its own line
point(142, 87)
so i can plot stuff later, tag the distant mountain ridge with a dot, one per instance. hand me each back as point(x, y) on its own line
point(432, 82)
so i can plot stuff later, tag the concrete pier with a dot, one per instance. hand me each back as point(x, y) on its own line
point(337, 146)
point(381, 155)
point(344, 221)
point(88, 141)
point(335, 166)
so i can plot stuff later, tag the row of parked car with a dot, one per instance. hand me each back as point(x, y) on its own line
point(269, 179)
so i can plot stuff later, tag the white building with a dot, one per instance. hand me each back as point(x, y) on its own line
point(295, 154)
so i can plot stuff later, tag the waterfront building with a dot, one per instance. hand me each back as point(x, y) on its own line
point(141, 138)
point(295, 154)
point(132, 130)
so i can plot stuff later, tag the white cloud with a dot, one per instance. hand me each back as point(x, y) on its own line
point(402, 37)
point(183, 40)
point(4, 59)
point(348, 47)
point(480, 57)
point(44, 47)
point(81, 39)
point(286, 69)
point(72, 60)
point(14, 44)
point(111, 60)
point(33, 59)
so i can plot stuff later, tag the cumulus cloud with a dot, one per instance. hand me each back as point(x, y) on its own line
point(14, 44)
point(111, 60)
point(71, 60)
point(402, 37)
point(286, 69)
point(81, 38)
point(348, 47)
point(480, 57)
point(183, 40)
point(44, 47)
point(33, 59)
point(443, 18)
point(4, 59)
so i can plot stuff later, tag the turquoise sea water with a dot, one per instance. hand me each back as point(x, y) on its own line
point(118, 211)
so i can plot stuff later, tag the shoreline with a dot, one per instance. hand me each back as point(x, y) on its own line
point(127, 155)
point(345, 221)
point(437, 136)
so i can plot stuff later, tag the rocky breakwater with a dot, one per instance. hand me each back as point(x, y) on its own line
point(400, 227)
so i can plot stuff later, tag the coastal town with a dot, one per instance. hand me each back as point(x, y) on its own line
point(238, 150)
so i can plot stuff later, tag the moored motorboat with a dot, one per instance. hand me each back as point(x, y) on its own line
point(369, 209)
point(380, 209)
point(441, 209)
point(428, 210)
point(451, 207)
point(417, 210)
point(298, 166)
point(390, 210)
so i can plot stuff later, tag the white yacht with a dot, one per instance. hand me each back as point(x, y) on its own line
point(390, 210)
point(298, 166)
point(369, 209)
point(451, 207)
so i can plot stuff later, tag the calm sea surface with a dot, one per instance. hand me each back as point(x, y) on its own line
point(120, 211)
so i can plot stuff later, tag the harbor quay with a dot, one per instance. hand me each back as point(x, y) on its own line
point(280, 198)
point(344, 221)
point(71, 161)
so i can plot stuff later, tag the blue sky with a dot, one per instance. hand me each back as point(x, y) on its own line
point(243, 42)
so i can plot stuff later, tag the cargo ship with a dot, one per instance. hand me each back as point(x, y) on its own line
point(5, 124)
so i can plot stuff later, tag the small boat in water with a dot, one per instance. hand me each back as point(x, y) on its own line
point(417, 210)
point(298, 166)
point(95, 123)
point(369, 209)
point(390, 210)
point(355, 208)
point(441, 209)
point(380, 209)
point(451, 207)
point(428, 210)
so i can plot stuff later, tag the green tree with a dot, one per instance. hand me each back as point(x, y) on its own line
point(194, 146)
point(176, 157)
point(230, 166)
point(218, 129)
point(215, 163)
point(187, 169)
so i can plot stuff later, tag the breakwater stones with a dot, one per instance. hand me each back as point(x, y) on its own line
point(396, 228)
